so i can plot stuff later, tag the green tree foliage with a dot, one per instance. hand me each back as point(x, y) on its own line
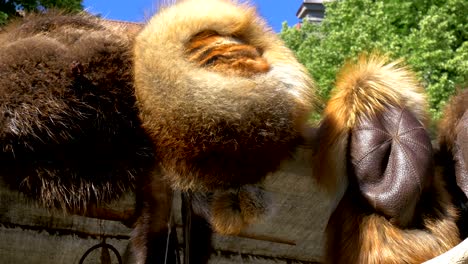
point(11, 8)
point(430, 35)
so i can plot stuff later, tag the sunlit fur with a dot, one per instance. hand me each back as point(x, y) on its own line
point(222, 97)
point(363, 88)
point(226, 55)
point(356, 233)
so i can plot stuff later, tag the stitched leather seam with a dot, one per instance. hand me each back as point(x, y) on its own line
point(370, 151)
point(415, 128)
point(413, 169)
point(416, 143)
point(372, 129)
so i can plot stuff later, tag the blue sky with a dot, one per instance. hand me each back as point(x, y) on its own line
point(275, 11)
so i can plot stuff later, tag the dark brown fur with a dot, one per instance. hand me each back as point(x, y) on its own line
point(69, 130)
point(153, 239)
point(450, 125)
point(70, 135)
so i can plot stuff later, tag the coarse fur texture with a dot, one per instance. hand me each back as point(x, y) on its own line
point(454, 120)
point(222, 97)
point(373, 140)
point(70, 134)
point(69, 128)
point(452, 155)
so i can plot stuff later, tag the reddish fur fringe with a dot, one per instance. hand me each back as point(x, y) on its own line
point(356, 233)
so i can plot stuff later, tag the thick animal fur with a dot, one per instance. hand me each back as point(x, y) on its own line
point(69, 128)
point(70, 135)
point(412, 218)
point(453, 153)
point(224, 102)
point(452, 123)
point(222, 97)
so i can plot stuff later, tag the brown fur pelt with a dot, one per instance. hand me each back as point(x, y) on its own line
point(69, 128)
point(70, 134)
point(373, 140)
point(454, 120)
point(453, 153)
point(222, 97)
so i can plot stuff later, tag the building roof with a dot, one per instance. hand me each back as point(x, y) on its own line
point(313, 10)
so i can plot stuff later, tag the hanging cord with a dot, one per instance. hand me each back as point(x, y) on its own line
point(176, 244)
point(169, 230)
point(187, 222)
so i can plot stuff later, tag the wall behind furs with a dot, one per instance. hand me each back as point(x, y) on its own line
point(292, 234)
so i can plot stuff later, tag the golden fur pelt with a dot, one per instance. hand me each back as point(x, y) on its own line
point(373, 140)
point(224, 102)
point(222, 97)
